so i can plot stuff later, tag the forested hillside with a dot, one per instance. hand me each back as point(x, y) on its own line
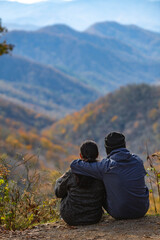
point(20, 133)
point(133, 110)
point(42, 88)
point(12, 114)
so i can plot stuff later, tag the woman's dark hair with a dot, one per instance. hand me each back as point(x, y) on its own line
point(89, 152)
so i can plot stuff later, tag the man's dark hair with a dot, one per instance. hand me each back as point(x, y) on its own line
point(89, 150)
point(113, 141)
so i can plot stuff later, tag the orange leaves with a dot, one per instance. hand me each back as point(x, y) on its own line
point(153, 113)
point(28, 138)
point(114, 118)
point(136, 124)
point(82, 120)
point(38, 115)
point(24, 136)
point(29, 147)
point(155, 127)
point(63, 130)
point(4, 171)
point(45, 143)
point(12, 141)
point(58, 148)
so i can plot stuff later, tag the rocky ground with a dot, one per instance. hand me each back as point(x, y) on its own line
point(144, 228)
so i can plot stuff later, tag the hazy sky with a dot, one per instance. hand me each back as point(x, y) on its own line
point(35, 1)
point(27, 1)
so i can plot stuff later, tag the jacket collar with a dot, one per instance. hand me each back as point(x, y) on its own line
point(119, 154)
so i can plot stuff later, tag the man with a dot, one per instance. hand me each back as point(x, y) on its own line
point(123, 174)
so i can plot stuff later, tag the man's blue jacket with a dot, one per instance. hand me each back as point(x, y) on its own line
point(123, 175)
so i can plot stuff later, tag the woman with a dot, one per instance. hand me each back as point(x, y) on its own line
point(82, 196)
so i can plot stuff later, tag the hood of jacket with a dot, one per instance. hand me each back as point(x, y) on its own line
point(120, 154)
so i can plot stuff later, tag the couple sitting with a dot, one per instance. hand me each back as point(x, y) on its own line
point(116, 183)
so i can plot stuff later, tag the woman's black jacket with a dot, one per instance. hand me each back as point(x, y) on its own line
point(80, 205)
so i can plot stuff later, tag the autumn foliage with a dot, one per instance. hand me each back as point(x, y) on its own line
point(21, 131)
point(133, 110)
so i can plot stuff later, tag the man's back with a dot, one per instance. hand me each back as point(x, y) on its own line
point(123, 176)
point(127, 194)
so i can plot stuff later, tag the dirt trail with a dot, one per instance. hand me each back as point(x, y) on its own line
point(145, 228)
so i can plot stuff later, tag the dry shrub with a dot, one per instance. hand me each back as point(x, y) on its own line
point(153, 178)
point(26, 192)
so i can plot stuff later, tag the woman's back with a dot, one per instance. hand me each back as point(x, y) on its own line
point(82, 198)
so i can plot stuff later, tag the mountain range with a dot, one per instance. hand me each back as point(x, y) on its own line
point(102, 61)
point(16, 116)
